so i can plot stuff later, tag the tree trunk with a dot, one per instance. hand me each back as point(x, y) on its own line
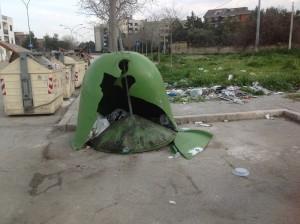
point(113, 26)
point(146, 48)
point(151, 48)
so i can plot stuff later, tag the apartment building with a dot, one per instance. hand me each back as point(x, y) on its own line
point(6, 34)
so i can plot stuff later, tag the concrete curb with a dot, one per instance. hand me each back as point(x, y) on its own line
point(236, 116)
point(68, 124)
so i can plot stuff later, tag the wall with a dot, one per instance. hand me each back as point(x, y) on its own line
point(183, 48)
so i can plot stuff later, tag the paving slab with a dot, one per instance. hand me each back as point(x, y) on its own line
point(50, 183)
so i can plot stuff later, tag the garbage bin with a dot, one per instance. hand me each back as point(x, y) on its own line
point(31, 84)
point(68, 79)
point(78, 69)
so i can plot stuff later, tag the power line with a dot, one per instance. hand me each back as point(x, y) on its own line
point(225, 3)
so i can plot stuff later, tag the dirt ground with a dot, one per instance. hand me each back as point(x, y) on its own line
point(44, 181)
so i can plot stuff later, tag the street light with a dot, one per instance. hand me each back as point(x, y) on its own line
point(72, 29)
point(26, 3)
point(292, 25)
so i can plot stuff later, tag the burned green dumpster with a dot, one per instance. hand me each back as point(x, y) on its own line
point(127, 90)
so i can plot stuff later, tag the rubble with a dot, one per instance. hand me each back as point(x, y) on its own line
point(233, 94)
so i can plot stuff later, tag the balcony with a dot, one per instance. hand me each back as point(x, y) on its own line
point(5, 31)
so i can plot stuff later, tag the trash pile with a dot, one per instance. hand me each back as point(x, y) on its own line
point(235, 94)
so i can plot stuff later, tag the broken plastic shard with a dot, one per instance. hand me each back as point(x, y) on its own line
point(241, 172)
point(172, 202)
point(201, 124)
point(99, 126)
point(195, 151)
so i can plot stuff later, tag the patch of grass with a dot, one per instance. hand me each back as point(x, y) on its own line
point(275, 70)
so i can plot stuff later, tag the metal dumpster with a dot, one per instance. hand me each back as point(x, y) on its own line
point(78, 69)
point(68, 79)
point(30, 83)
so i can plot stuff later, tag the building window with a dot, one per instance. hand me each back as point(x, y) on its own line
point(10, 27)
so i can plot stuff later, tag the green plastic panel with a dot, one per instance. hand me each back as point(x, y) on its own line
point(191, 142)
point(132, 135)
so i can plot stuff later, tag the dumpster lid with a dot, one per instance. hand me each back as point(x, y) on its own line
point(15, 49)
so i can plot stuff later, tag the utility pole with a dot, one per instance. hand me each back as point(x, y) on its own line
point(292, 25)
point(257, 26)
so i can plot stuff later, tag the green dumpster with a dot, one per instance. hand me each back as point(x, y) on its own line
point(129, 82)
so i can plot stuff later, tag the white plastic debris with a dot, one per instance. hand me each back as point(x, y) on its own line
point(201, 124)
point(200, 69)
point(230, 77)
point(99, 126)
point(256, 87)
point(269, 117)
point(205, 71)
point(226, 121)
point(172, 202)
point(195, 151)
point(238, 101)
point(175, 156)
point(243, 70)
point(240, 172)
point(196, 92)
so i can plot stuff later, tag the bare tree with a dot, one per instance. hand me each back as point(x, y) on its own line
point(111, 12)
point(169, 16)
point(152, 33)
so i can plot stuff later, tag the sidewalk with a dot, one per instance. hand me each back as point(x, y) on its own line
point(264, 103)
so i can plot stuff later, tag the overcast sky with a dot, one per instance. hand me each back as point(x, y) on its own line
point(47, 15)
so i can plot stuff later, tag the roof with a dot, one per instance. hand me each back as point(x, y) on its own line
point(13, 47)
point(227, 12)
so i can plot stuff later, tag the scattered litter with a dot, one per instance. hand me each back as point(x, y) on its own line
point(205, 71)
point(200, 69)
point(175, 156)
point(125, 150)
point(196, 92)
point(226, 121)
point(234, 94)
point(195, 151)
point(269, 117)
point(184, 129)
point(175, 92)
point(278, 93)
point(230, 77)
point(243, 70)
point(172, 202)
point(241, 172)
point(256, 87)
point(201, 124)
